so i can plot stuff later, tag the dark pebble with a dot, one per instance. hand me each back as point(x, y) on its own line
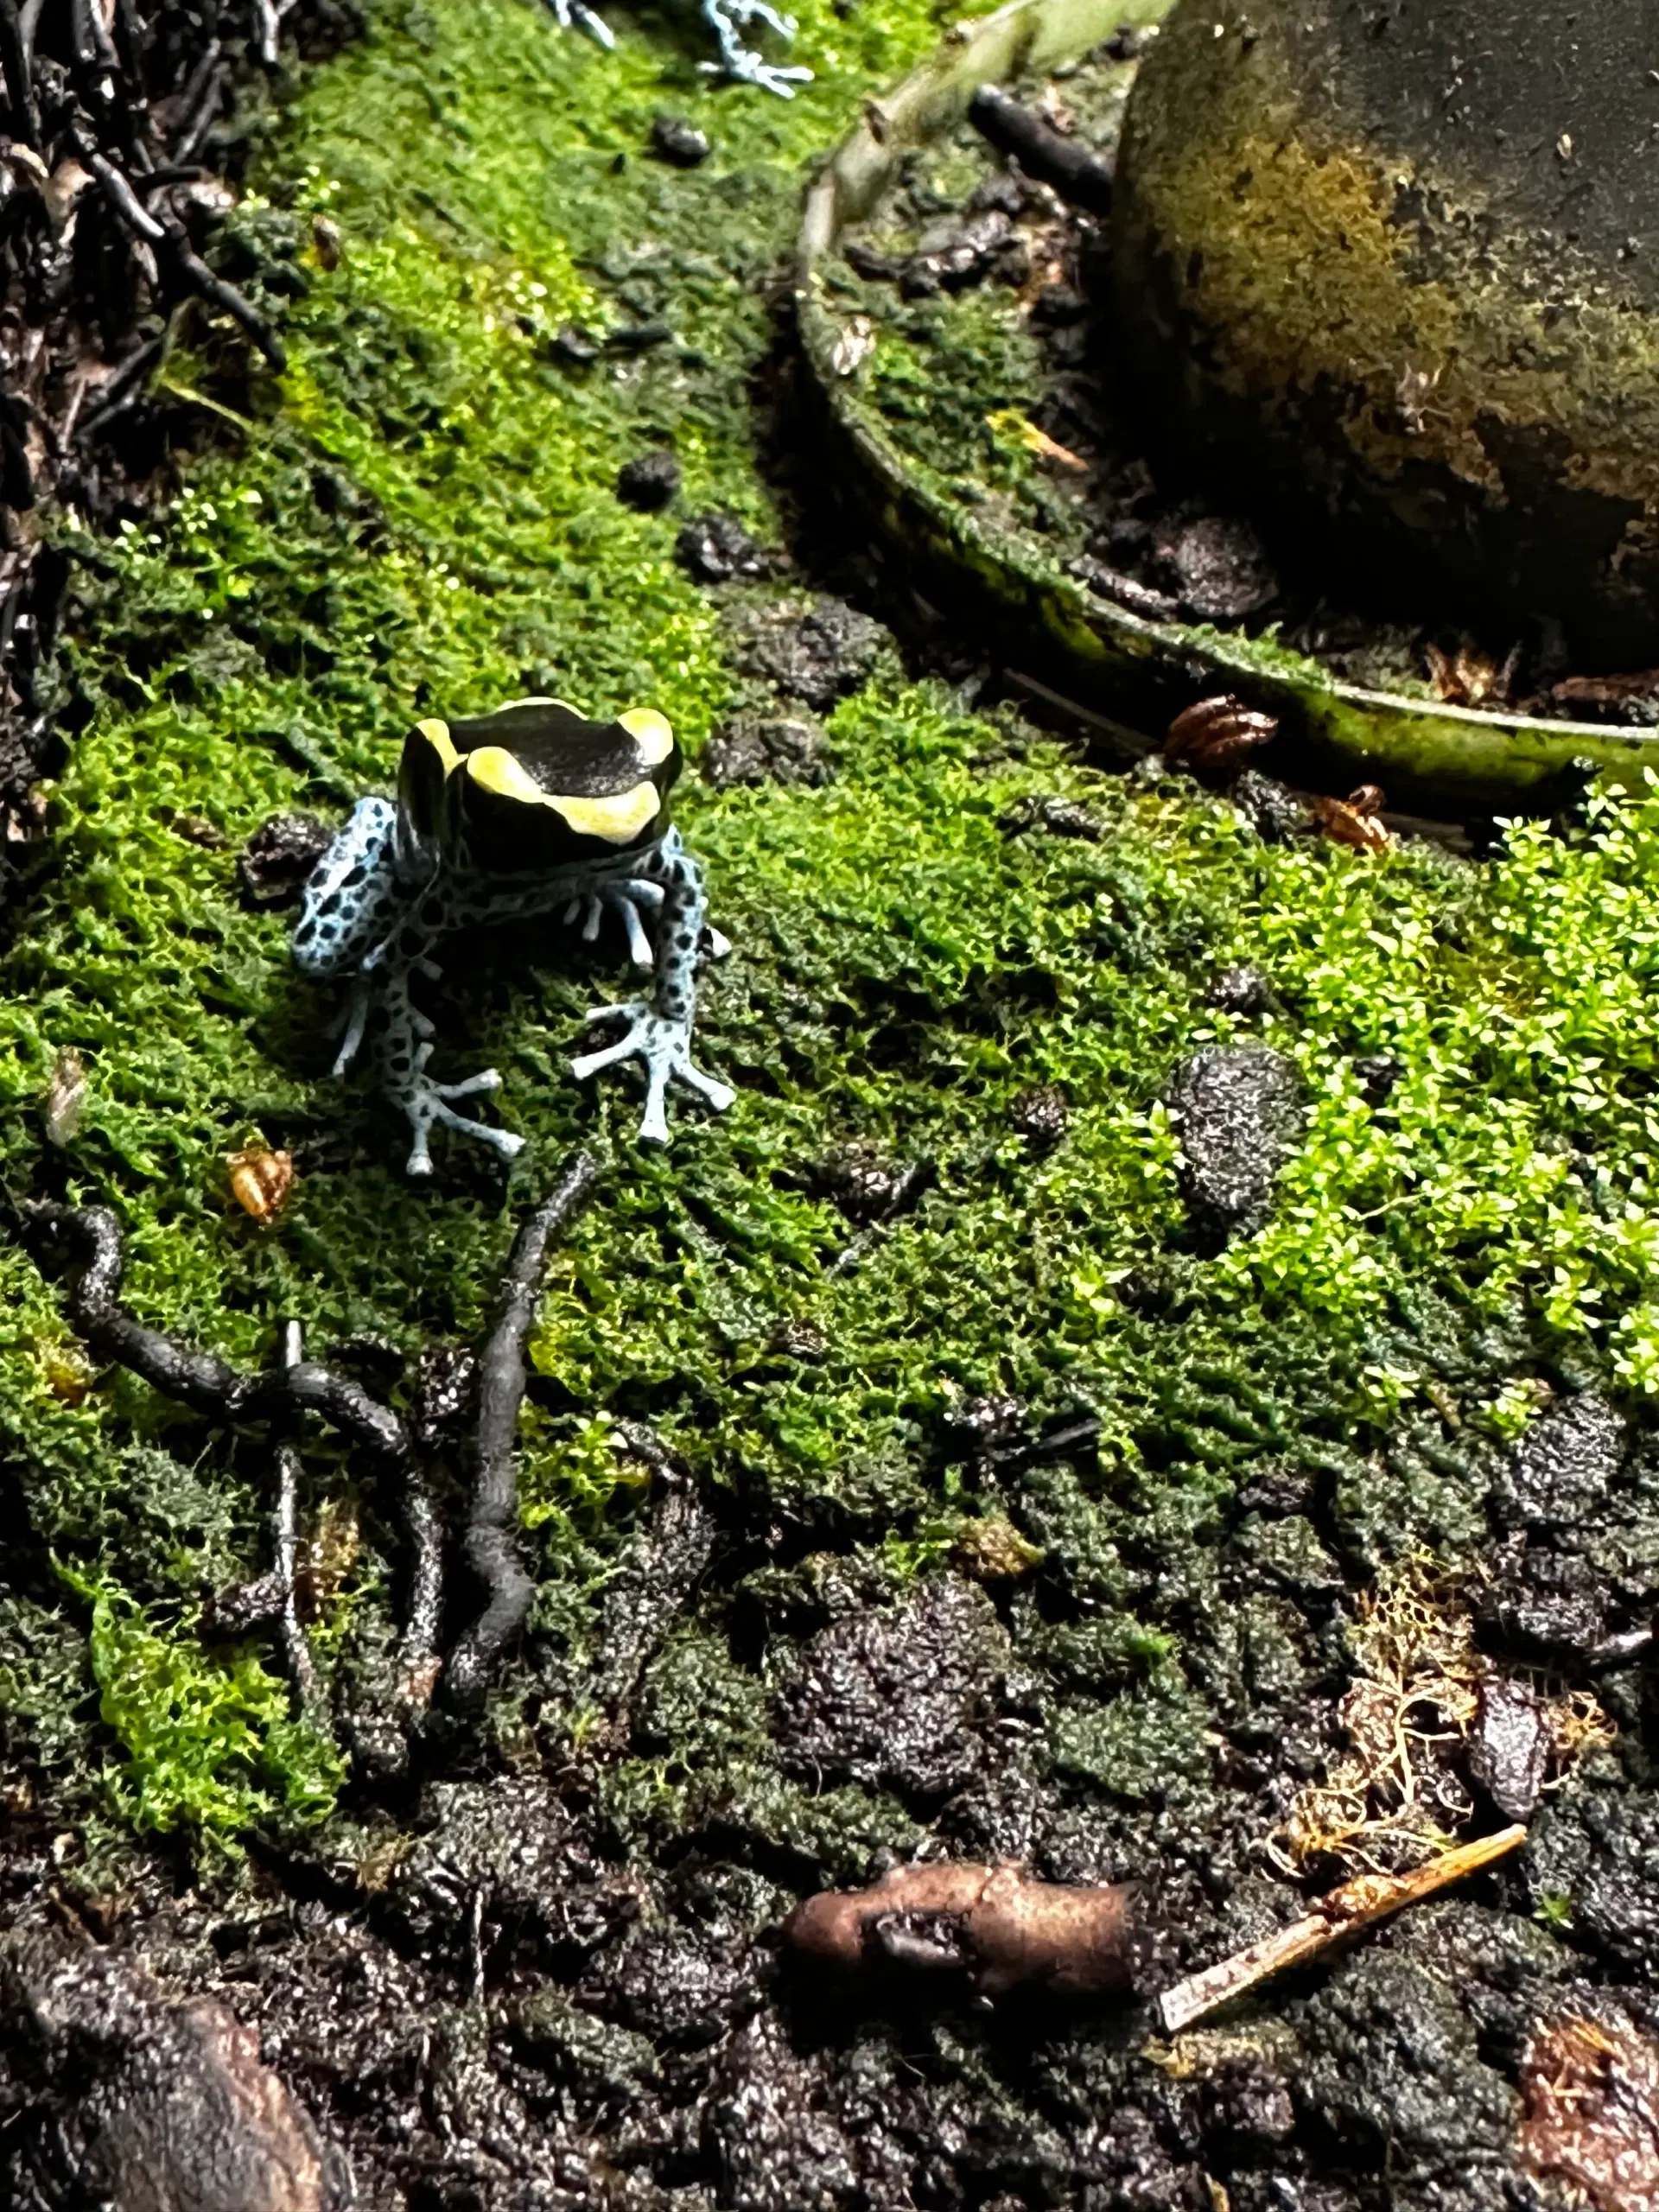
point(273, 866)
point(649, 482)
point(1240, 990)
point(1544, 1604)
point(868, 1189)
point(1060, 817)
point(819, 657)
point(750, 749)
point(1274, 812)
point(1238, 1111)
point(713, 549)
point(1562, 1468)
point(575, 345)
point(898, 1698)
point(1509, 1748)
point(1377, 1074)
point(673, 139)
point(1218, 569)
point(1040, 1115)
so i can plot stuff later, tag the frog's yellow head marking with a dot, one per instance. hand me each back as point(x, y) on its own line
point(537, 786)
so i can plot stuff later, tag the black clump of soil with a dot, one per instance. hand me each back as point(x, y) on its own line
point(1238, 1111)
point(649, 482)
point(759, 749)
point(272, 867)
point(717, 550)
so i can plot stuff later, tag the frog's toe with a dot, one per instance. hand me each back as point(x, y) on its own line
point(504, 1142)
point(717, 1095)
point(485, 1079)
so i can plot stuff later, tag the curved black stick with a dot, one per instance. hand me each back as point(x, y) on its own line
point(490, 1551)
point(201, 1380)
point(19, 83)
point(1042, 151)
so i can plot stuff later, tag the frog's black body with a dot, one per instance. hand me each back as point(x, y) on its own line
point(511, 814)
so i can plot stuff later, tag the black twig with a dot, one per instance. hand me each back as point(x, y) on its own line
point(122, 197)
point(20, 78)
point(201, 1379)
point(491, 1552)
point(201, 278)
point(198, 104)
point(1042, 151)
point(122, 388)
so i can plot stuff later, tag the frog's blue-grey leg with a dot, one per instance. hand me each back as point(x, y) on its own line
point(726, 18)
point(353, 900)
point(572, 14)
point(659, 1031)
point(406, 1048)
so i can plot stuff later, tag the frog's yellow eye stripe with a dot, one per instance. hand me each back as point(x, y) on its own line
point(650, 733)
point(616, 819)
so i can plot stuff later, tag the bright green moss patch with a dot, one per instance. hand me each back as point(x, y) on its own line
point(423, 517)
point(207, 1740)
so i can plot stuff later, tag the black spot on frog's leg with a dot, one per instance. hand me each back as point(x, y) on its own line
point(681, 931)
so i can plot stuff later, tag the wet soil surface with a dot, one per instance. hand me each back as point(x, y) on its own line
point(559, 1979)
point(987, 295)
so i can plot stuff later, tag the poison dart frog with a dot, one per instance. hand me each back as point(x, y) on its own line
point(512, 814)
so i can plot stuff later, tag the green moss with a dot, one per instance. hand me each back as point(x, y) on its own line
point(421, 514)
point(207, 1740)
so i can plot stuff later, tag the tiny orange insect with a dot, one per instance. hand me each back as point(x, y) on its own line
point(261, 1180)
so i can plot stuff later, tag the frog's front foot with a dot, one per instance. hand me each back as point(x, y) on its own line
point(572, 14)
point(625, 901)
point(426, 1104)
point(726, 18)
point(666, 1048)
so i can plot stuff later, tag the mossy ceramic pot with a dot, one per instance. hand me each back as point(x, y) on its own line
point(1135, 674)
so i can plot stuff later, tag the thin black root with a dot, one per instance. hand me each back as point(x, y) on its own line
point(294, 1386)
point(210, 1386)
point(491, 1552)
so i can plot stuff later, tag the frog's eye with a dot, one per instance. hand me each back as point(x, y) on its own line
point(429, 756)
point(650, 732)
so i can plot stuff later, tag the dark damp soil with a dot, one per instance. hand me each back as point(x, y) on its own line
point(989, 301)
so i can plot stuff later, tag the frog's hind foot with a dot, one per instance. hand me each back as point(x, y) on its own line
point(726, 18)
point(426, 1105)
point(666, 1048)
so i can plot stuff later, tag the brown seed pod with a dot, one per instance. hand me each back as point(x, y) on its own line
point(1356, 820)
point(261, 1180)
point(1218, 733)
point(993, 1921)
